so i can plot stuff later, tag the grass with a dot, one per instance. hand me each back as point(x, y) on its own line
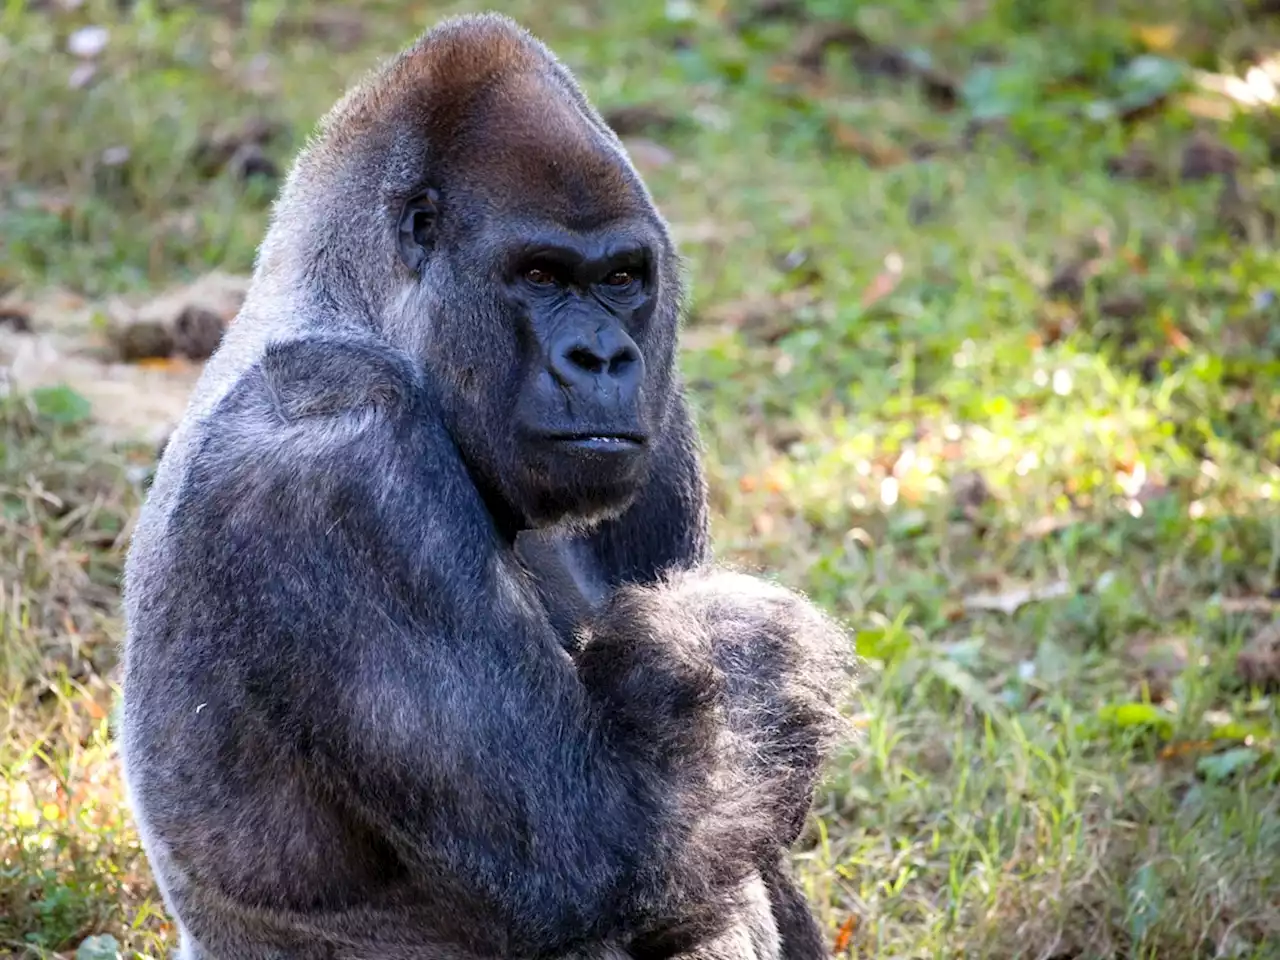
point(898, 419)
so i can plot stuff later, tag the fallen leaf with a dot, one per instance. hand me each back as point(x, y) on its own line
point(874, 148)
point(884, 282)
point(1134, 259)
point(1254, 91)
point(1207, 107)
point(93, 708)
point(1176, 337)
point(1010, 600)
point(1056, 319)
point(1250, 604)
point(1187, 748)
point(784, 74)
point(164, 364)
point(844, 936)
point(1160, 37)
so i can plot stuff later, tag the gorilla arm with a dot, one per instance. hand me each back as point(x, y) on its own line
point(786, 666)
point(366, 662)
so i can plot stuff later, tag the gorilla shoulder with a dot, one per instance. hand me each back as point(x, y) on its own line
point(343, 385)
point(317, 414)
point(325, 377)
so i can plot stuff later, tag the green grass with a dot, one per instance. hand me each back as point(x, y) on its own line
point(1088, 776)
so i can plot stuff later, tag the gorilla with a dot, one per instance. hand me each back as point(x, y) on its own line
point(426, 655)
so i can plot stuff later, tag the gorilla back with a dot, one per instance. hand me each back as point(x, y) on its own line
point(355, 724)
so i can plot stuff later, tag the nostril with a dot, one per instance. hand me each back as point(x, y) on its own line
point(586, 359)
point(622, 361)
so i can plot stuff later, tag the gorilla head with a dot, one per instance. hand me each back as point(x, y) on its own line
point(518, 256)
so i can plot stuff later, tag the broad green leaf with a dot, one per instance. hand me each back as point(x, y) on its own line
point(1135, 716)
point(1217, 767)
point(61, 404)
point(104, 947)
point(886, 644)
point(1146, 78)
point(992, 93)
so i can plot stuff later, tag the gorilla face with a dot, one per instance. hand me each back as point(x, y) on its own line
point(558, 339)
point(581, 422)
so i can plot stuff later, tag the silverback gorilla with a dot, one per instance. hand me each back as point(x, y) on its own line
point(425, 656)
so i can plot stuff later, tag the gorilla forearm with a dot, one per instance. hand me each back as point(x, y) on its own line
point(784, 666)
point(784, 670)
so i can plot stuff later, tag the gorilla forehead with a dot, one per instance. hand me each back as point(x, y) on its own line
point(492, 110)
point(541, 158)
point(522, 146)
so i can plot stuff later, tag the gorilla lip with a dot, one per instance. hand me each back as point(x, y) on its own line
point(599, 442)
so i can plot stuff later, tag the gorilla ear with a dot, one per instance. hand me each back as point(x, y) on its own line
point(418, 228)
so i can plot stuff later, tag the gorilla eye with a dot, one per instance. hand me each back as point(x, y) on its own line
point(539, 277)
point(619, 278)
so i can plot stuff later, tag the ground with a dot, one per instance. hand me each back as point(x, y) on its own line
point(984, 344)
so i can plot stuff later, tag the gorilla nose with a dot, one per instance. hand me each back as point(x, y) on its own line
point(583, 363)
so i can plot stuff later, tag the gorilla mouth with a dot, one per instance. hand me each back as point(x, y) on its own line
point(599, 442)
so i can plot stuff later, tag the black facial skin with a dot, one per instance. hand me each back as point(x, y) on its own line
point(578, 306)
point(577, 309)
point(426, 655)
